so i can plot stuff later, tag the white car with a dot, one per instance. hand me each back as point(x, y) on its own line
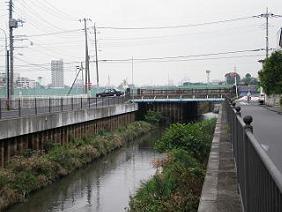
point(261, 99)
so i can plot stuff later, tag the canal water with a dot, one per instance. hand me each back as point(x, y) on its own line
point(105, 185)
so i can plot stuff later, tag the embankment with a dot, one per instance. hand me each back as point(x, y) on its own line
point(178, 184)
point(34, 170)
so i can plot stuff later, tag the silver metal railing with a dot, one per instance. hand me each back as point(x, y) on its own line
point(259, 180)
point(22, 107)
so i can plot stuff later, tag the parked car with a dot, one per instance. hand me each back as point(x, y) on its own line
point(110, 92)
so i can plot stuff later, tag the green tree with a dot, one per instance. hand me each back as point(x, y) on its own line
point(249, 80)
point(271, 74)
point(230, 78)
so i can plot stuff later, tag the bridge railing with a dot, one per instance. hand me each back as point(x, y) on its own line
point(184, 93)
point(259, 180)
point(22, 107)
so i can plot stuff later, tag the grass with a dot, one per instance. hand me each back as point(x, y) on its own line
point(177, 187)
point(33, 170)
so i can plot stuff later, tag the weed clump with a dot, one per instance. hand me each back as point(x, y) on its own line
point(178, 186)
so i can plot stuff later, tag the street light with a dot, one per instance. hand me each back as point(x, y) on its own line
point(6, 64)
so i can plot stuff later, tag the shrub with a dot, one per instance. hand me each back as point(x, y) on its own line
point(271, 74)
point(175, 189)
point(25, 182)
point(194, 138)
point(178, 186)
point(153, 117)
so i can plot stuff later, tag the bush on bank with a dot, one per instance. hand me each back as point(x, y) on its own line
point(194, 138)
point(178, 186)
point(32, 171)
point(153, 117)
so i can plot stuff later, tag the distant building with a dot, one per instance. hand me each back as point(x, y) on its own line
point(57, 73)
point(2, 79)
point(244, 89)
point(23, 82)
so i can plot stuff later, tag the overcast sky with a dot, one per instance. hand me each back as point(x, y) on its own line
point(50, 16)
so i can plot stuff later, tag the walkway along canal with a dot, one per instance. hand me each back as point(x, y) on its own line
point(105, 185)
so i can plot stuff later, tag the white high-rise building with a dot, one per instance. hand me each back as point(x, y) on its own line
point(57, 73)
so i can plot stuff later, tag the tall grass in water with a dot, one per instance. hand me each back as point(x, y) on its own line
point(178, 186)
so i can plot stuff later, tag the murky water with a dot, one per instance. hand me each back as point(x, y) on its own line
point(105, 185)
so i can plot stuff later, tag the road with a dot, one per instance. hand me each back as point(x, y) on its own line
point(267, 129)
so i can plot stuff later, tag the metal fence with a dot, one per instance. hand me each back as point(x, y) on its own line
point(184, 93)
point(22, 107)
point(259, 180)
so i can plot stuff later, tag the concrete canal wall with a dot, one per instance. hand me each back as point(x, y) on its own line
point(17, 135)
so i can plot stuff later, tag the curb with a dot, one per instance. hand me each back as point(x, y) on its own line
point(220, 189)
point(209, 191)
point(271, 109)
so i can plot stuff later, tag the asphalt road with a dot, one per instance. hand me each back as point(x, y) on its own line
point(267, 129)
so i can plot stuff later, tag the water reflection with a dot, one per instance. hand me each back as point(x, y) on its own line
point(104, 185)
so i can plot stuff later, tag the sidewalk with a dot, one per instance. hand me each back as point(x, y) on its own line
point(219, 192)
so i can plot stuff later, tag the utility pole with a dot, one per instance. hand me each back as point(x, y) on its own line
point(267, 15)
point(235, 80)
point(267, 34)
point(87, 73)
point(6, 65)
point(12, 25)
point(79, 69)
point(82, 77)
point(96, 53)
point(132, 76)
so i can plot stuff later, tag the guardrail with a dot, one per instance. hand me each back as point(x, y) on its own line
point(21, 107)
point(259, 180)
point(180, 97)
point(186, 93)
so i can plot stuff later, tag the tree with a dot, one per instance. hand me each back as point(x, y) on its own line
point(271, 74)
point(230, 78)
point(249, 80)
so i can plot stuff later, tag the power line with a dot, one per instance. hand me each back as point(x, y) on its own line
point(183, 56)
point(177, 26)
point(204, 59)
point(51, 33)
point(27, 7)
point(61, 12)
point(158, 59)
point(53, 11)
point(267, 15)
point(36, 65)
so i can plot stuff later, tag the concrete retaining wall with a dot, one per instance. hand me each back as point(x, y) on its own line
point(18, 135)
point(23, 126)
point(273, 100)
point(220, 193)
